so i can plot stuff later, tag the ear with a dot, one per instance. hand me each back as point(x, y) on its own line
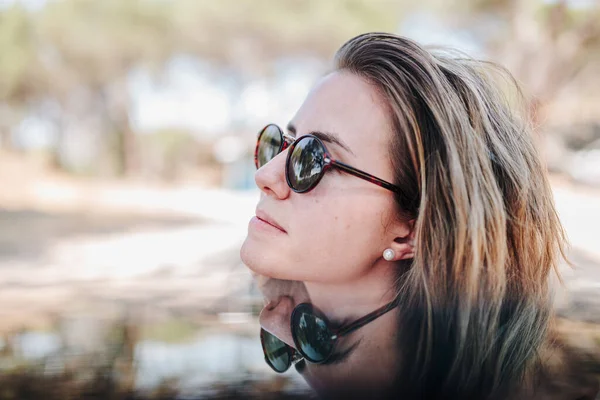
point(402, 236)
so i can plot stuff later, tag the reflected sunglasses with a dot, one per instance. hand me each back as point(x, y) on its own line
point(314, 338)
point(307, 160)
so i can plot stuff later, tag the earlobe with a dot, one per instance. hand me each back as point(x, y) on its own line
point(389, 254)
point(408, 255)
point(402, 247)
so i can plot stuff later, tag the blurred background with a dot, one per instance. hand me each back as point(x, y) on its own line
point(127, 131)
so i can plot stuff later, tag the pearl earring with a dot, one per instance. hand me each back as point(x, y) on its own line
point(389, 254)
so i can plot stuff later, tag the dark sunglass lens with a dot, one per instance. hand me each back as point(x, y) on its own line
point(277, 353)
point(312, 337)
point(305, 164)
point(268, 146)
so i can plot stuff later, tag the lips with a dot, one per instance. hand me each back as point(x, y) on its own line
point(263, 216)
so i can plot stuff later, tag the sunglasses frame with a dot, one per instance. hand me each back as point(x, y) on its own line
point(297, 354)
point(293, 355)
point(328, 160)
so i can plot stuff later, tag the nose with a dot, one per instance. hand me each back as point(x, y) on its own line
point(270, 178)
point(276, 319)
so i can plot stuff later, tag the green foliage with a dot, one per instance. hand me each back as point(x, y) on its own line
point(70, 47)
point(171, 331)
point(16, 53)
point(71, 43)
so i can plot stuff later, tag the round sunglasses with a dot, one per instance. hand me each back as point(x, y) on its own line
point(314, 338)
point(307, 160)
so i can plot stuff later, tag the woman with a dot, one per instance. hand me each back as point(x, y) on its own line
point(408, 191)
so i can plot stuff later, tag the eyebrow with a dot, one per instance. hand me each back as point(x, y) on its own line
point(324, 136)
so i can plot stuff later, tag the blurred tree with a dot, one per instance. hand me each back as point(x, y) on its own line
point(93, 48)
point(17, 81)
point(250, 34)
point(79, 54)
point(545, 44)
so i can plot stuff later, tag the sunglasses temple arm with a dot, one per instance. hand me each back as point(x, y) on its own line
point(363, 175)
point(296, 358)
point(359, 323)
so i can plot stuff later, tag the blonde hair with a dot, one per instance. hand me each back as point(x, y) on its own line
point(475, 299)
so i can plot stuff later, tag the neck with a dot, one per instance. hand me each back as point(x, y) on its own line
point(357, 297)
point(374, 363)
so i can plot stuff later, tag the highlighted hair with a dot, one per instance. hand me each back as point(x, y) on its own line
point(475, 304)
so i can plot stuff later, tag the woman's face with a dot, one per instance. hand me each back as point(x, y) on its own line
point(337, 231)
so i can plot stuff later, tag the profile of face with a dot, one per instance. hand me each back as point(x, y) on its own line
point(337, 231)
point(330, 240)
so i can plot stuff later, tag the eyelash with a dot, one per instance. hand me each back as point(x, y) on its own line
point(332, 360)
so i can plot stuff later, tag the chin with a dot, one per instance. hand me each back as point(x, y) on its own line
point(248, 255)
point(260, 260)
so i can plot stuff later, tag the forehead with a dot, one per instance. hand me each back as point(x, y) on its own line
point(347, 106)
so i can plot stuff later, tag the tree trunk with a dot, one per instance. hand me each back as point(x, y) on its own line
point(116, 107)
point(5, 138)
point(127, 149)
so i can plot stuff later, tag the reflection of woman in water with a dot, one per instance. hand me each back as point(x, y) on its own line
point(415, 223)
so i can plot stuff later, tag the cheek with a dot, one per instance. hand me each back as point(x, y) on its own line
point(332, 237)
point(339, 244)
